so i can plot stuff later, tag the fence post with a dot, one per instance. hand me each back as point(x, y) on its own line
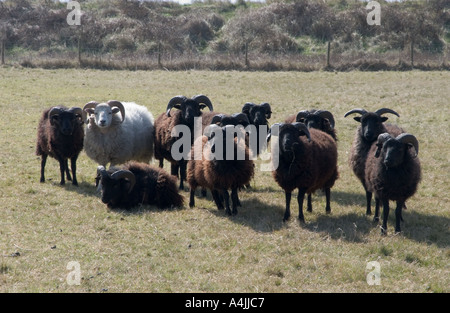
point(159, 54)
point(3, 51)
point(246, 56)
point(412, 52)
point(79, 47)
point(328, 55)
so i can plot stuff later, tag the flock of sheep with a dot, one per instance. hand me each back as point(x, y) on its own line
point(127, 137)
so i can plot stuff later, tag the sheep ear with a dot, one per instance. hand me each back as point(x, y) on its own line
point(357, 118)
point(269, 133)
point(384, 118)
point(268, 110)
point(378, 151)
point(246, 108)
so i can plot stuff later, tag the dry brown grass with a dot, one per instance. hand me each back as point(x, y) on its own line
point(45, 226)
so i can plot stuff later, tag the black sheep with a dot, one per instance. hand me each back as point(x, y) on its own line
point(136, 184)
point(60, 135)
point(307, 164)
point(218, 170)
point(188, 109)
point(318, 119)
point(258, 115)
point(393, 173)
point(372, 125)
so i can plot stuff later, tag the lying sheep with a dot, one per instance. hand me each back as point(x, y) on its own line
point(187, 110)
point(372, 125)
point(136, 184)
point(307, 164)
point(60, 135)
point(393, 173)
point(217, 170)
point(118, 132)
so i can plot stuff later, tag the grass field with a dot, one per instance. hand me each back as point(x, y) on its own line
point(44, 226)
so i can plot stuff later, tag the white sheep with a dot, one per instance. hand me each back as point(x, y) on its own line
point(118, 132)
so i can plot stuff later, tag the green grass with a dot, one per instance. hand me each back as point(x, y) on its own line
point(44, 226)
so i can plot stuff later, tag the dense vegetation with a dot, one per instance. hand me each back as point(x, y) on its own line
point(221, 33)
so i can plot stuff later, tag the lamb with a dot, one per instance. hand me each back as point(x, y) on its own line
point(307, 164)
point(60, 135)
point(188, 109)
point(137, 183)
point(392, 173)
point(217, 169)
point(258, 115)
point(117, 138)
point(318, 119)
point(372, 125)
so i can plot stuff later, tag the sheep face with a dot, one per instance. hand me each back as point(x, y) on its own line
point(257, 114)
point(393, 150)
point(65, 120)
point(219, 139)
point(289, 136)
point(104, 114)
point(190, 108)
point(115, 185)
point(371, 125)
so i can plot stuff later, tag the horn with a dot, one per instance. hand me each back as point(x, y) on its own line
point(382, 138)
point(54, 111)
point(241, 117)
point(217, 118)
point(247, 106)
point(327, 115)
point(80, 112)
point(266, 106)
point(407, 138)
point(386, 110)
point(115, 103)
point(302, 127)
point(359, 111)
point(101, 171)
point(125, 174)
point(203, 99)
point(175, 100)
point(301, 114)
point(90, 105)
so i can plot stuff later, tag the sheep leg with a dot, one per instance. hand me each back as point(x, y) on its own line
point(161, 163)
point(68, 177)
point(43, 162)
point(287, 213)
point(327, 196)
point(376, 217)
point(309, 209)
point(235, 200)
point(182, 166)
point(300, 197)
point(385, 216)
point(368, 200)
point(398, 216)
point(62, 169)
point(217, 199)
point(226, 197)
point(73, 165)
point(192, 198)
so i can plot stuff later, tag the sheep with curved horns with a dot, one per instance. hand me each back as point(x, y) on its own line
point(393, 173)
point(307, 164)
point(187, 110)
point(318, 119)
point(118, 132)
point(372, 125)
point(136, 184)
point(60, 135)
point(217, 169)
point(258, 115)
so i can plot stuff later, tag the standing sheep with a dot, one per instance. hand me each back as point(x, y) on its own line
point(60, 135)
point(220, 169)
point(136, 184)
point(118, 132)
point(188, 109)
point(393, 173)
point(307, 164)
point(258, 115)
point(372, 125)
